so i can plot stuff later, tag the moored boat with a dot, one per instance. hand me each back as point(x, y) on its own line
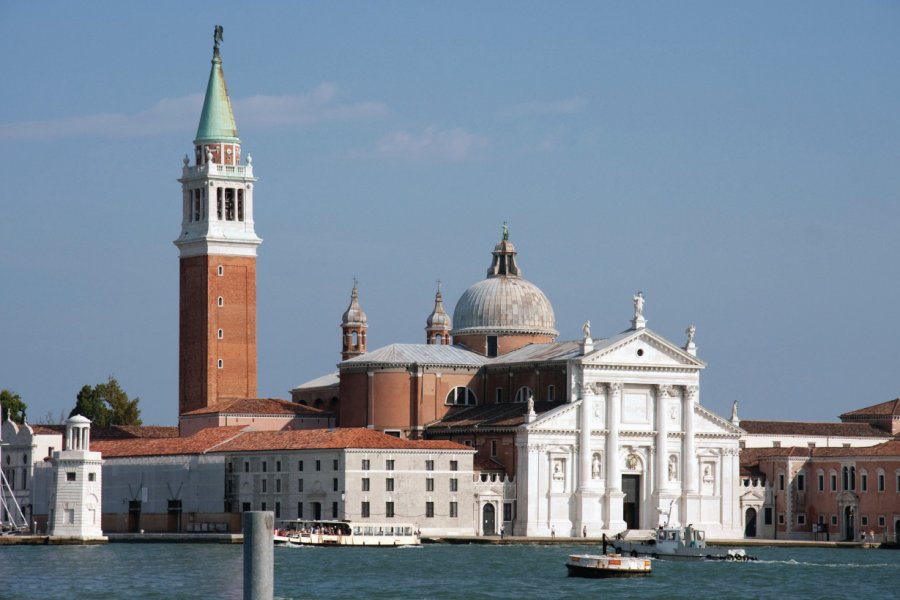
point(607, 565)
point(676, 543)
point(301, 532)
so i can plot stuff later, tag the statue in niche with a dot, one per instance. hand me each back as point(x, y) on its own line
point(673, 468)
point(595, 467)
point(639, 305)
point(707, 474)
point(557, 470)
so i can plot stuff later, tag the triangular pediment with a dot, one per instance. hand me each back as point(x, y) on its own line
point(709, 423)
point(561, 418)
point(641, 348)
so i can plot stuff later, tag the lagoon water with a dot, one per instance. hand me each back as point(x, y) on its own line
point(174, 571)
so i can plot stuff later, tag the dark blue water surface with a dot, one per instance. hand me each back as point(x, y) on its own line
point(432, 571)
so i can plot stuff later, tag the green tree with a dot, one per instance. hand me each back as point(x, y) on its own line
point(107, 404)
point(11, 405)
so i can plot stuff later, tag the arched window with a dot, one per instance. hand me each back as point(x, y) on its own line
point(462, 396)
point(523, 394)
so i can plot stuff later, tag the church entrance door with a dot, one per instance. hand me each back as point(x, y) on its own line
point(631, 486)
point(848, 524)
point(488, 521)
point(750, 523)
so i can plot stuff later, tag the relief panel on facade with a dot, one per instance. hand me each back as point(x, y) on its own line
point(636, 408)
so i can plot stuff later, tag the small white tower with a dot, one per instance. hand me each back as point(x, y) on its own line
point(75, 505)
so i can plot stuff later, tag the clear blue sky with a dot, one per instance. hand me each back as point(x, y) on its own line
point(738, 163)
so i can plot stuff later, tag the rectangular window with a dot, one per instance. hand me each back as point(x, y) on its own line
point(240, 204)
point(365, 464)
point(767, 515)
point(491, 346)
point(551, 393)
point(220, 334)
point(334, 465)
point(454, 510)
point(299, 485)
point(278, 510)
point(507, 511)
point(334, 510)
point(429, 484)
point(318, 465)
point(263, 506)
point(92, 477)
point(299, 510)
point(245, 507)
point(389, 510)
point(334, 484)
point(881, 482)
point(864, 482)
point(454, 465)
point(429, 465)
point(365, 484)
point(389, 484)
point(864, 520)
point(278, 486)
point(364, 510)
point(389, 465)
point(881, 520)
point(821, 483)
point(498, 396)
point(70, 475)
point(493, 448)
point(219, 203)
point(70, 516)
point(454, 484)
point(429, 510)
point(265, 466)
point(299, 465)
point(801, 519)
point(833, 482)
point(278, 465)
point(781, 518)
point(781, 482)
point(801, 482)
point(264, 485)
point(834, 519)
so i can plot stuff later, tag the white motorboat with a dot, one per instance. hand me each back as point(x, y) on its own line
point(301, 532)
point(678, 543)
point(607, 565)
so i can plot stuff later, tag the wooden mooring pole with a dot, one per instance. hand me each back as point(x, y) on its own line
point(259, 563)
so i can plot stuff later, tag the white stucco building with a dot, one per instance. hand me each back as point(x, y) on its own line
point(77, 488)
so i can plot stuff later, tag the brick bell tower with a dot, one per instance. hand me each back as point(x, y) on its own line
point(217, 249)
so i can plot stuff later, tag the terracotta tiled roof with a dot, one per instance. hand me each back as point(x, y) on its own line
point(750, 457)
point(504, 416)
point(340, 438)
point(257, 406)
point(812, 429)
point(199, 443)
point(115, 432)
point(891, 408)
point(486, 463)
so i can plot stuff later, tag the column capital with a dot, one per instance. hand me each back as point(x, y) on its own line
point(664, 389)
point(615, 387)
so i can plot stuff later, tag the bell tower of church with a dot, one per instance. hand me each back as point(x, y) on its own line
point(353, 328)
point(217, 250)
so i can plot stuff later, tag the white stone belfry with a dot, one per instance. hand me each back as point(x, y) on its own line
point(77, 472)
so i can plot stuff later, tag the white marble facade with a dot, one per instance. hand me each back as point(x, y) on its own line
point(632, 443)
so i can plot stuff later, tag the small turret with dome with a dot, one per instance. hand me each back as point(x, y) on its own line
point(353, 326)
point(438, 325)
point(504, 311)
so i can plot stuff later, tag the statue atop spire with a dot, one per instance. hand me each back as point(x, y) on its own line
point(505, 232)
point(217, 39)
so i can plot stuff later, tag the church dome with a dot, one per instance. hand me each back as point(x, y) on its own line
point(505, 303)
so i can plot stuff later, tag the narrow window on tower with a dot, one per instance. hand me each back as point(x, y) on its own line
point(196, 205)
point(219, 203)
point(221, 301)
point(221, 364)
point(220, 334)
point(205, 202)
point(220, 270)
point(229, 204)
point(240, 195)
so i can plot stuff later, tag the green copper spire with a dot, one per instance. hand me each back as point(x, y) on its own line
point(217, 120)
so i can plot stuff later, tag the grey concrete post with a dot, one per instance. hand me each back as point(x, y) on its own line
point(259, 563)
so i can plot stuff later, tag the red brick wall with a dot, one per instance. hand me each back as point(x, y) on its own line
point(505, 343)
point(201, 382)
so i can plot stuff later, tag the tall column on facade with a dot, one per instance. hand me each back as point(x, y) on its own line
point(613, 411)
point(689, 466)
point(662, 436)
point(584, 437)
